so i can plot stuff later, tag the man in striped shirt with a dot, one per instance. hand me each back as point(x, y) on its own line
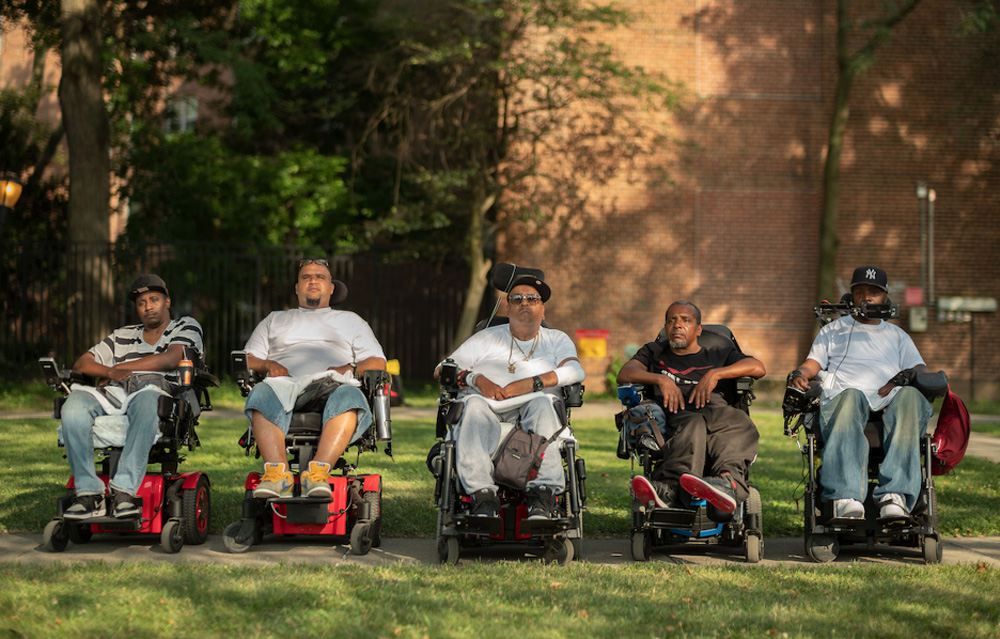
point(156, 345)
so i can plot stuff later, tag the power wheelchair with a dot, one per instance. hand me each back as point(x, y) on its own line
point(560, 536)
point(174, 505)
point(354, 509)
point(676, 525)
point(824, 533)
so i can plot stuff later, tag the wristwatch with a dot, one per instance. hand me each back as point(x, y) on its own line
point(537, 383)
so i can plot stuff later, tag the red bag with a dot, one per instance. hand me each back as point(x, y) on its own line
point(951, 437)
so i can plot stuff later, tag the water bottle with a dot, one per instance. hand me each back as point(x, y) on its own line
point(185, 373)
point(383, 424)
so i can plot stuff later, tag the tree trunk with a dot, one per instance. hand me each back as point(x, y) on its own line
point(479, 267)
point(81, 98)
point(828, 239)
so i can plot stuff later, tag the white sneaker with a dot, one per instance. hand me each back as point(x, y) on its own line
point(848, 509)
point(892, 506)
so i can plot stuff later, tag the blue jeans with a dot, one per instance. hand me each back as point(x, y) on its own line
point(478, 436)
point(845, 448)
point(346, 397)
point(78, 415)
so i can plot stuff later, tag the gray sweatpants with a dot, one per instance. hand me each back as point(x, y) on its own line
point(479, 435)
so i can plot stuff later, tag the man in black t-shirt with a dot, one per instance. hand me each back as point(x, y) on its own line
point(708, 444)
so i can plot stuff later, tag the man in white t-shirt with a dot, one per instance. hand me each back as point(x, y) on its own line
point(300, 343)
point(504, 362)
point(866, 366)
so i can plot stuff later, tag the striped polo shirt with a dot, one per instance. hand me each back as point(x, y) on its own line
point(126, 344)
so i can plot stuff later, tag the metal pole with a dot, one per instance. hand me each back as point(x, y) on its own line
point(931, 196)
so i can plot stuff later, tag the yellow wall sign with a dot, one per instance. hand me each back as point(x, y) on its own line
point(592, 342)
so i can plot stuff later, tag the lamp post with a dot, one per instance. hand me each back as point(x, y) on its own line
point(10, 191)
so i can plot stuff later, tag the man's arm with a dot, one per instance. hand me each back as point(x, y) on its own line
point(165, 361)
point(635, 372)
point(746, 367)
point(266, 367)
point(799, 378)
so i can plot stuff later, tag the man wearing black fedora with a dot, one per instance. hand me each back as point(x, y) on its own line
point(294, 347)
point(867, 365)
point(497, 366)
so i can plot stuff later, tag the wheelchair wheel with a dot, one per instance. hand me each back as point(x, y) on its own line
point(559, 551)
point(79, 533)
point(754, 548)
point(236, 539)
point(196, 506)
point(932, 549)
point(822, 548)
point(172, 537)
point(642, 546)
point(361, 538)
point(448, 550)
point(374, 500)
point(55, 536)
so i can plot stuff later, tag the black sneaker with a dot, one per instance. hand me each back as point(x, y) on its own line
point(86, 507)
point(123, 505)
point(485, 503)
point(720, 491)
point(541, 503)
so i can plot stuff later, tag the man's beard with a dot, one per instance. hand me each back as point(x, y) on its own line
point(678, 343)
point(312, 302)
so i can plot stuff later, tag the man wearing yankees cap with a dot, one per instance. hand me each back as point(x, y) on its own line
point(867, 365)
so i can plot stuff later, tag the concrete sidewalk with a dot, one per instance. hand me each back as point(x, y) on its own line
point(25, 549)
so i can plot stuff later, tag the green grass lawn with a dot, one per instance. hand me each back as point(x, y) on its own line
point(518, 598)
point(35, 474)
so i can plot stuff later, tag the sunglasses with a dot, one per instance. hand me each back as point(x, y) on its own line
point(305, 262)
point(531, 299)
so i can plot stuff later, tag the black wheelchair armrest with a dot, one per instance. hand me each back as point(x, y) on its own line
point(932, 385)
point(573, 395)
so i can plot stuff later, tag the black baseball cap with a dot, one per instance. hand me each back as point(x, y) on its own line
point(871, 275)
point(534, 282)
point(145, 284)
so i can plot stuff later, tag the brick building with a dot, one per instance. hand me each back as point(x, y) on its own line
point(736, 228)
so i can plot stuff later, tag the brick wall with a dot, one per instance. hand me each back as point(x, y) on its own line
point(736, 228)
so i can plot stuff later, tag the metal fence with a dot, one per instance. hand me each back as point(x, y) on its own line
point(50, 293)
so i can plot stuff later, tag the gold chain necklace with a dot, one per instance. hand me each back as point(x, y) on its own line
point(510, 355)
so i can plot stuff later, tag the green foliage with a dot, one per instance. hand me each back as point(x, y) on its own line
point(188, 184)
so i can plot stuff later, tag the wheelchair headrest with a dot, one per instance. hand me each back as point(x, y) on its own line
point(504, 275)
point(712, 336)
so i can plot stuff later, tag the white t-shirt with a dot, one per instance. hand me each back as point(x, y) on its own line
point(310, 340)
point(490, 353)
point(862, 356)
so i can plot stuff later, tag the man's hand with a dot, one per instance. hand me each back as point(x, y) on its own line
point(114, 374)
point(274, 369)
point(488, 388)
point(702, 393)
point(798, 380)
point(673, 398)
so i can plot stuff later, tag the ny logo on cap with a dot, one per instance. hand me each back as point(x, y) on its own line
point(870, 273)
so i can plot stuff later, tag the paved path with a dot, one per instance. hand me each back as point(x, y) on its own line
point(25, 549)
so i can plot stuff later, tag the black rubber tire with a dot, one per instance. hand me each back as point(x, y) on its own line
point(196, 506)
point(172, 536)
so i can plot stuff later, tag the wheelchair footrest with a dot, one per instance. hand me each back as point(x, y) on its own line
point(492, 526)
point(546, 526)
